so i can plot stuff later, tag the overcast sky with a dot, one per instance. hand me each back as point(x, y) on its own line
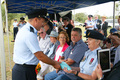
point(101, 9)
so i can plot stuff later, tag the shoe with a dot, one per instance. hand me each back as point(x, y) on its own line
point(13, 41)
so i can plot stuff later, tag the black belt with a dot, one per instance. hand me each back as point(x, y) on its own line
point(27, 65)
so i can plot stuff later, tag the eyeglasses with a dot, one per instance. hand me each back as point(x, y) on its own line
point(62, 37)
point(41, 33)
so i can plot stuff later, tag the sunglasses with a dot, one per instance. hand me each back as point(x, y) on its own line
point(41, 33)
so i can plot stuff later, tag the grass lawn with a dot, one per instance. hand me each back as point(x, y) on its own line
point(8, 70)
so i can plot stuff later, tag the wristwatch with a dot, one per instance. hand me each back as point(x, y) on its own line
point(77, 73)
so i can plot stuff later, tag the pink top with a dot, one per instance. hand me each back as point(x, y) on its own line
point(60, 54)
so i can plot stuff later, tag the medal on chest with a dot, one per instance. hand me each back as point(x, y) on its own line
point(92, 59)
point(84, 58)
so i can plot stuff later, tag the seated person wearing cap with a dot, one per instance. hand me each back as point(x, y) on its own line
point(113, 30)
point(89, 23)
point(86, 69)
point(45, 68)
point(114, 74)
point(72, 56)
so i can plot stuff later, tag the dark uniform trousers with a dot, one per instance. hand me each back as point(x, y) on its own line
point(23, 72)
point(15, 29)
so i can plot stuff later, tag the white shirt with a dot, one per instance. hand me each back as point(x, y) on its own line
point(15, 24)
point(58, 53)
point(44, 43)
point(26, 44)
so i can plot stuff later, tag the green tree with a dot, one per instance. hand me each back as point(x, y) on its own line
point(80, 17)
point(3, 16)
point(11, 16)
point(117, 8)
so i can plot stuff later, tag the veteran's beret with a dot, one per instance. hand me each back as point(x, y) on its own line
point(95, 35)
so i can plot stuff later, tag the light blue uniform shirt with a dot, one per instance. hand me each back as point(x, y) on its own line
point(90, 23)
point(21, 25)
point(89, 62)
point(26, 44)
point(117, 55)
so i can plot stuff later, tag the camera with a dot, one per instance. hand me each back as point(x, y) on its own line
point(85, 24)
point(108, 40)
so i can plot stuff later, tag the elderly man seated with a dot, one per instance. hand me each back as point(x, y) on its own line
point(72, 56)
point(86, 69)
point(44, 40)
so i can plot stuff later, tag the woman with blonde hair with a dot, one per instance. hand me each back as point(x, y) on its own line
point(63, 39)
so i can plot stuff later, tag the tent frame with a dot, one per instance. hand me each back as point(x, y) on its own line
point(2, 50)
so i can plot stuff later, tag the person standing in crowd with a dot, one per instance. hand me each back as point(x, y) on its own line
point(86, 69)
point(55, 28)
point(67, 27)
point(60, 24)
point(119, 20)
point(15, 29)
point(72, 56)
point(89, 23)
point(97, 23)
point(104, 26)
point(27, 52)
point(118, 27)
point(21, 23)
point(50, 23)
point(72, 23)
point(51, 50)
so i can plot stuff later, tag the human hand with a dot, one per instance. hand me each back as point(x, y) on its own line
point(111, 65)
point(61, 60)
point(112, 37)
point(98, 71)
point(57, 70)
point(69, 71)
